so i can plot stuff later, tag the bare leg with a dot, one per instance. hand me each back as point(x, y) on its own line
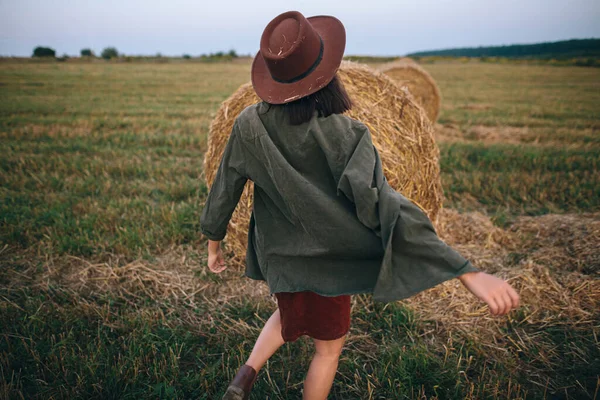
point(323, 368)
point(268, 342)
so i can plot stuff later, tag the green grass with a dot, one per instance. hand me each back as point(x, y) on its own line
point(518, 95)
point(99, 347)
point(90, 194)
point(103, 161)
point(523, 179)
point(108, 157)
point(61, 347)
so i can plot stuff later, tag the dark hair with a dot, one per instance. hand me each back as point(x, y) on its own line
point(332, 99)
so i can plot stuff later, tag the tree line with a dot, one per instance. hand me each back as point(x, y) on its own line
point(111, 52)
point(586, 48)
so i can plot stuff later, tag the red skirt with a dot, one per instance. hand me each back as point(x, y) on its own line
point(309, 313)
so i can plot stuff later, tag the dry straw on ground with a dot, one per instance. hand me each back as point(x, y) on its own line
point(475, 237)
point(550, 297)
point(401, 132)
point(565, 242)
point(419, 82)
point(546, 300)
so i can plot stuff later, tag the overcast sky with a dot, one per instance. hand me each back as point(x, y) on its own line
point(373, 27)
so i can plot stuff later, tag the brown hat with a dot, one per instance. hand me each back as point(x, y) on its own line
point(298, 56)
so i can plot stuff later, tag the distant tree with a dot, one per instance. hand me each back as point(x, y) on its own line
point(161, 59)
point(109, 52)
point(232, 53)
point(87, 53)
point(43, 52)
point(187, 56)
point(218, 54)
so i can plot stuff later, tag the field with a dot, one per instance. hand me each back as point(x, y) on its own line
point(104, 288)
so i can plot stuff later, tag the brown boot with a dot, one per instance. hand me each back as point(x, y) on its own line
point(240, 386)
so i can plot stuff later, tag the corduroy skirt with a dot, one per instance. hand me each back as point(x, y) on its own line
point(309, 313)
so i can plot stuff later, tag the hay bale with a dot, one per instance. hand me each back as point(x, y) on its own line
point(472, 228)
point(474, 235)
point(401, 132)
point(419, 83)
point(564, 242)
point(405, 60)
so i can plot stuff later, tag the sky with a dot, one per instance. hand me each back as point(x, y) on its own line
point(373, 27)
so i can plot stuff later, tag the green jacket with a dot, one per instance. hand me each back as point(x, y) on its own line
point(324, 217)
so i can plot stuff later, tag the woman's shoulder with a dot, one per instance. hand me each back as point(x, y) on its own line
point(247, 114)
point(246, 121)
point(342, 128)
point(342, 122)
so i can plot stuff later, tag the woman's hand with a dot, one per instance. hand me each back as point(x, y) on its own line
point(216, 262)
point(497, 293)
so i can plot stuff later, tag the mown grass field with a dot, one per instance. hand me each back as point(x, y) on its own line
point(104, 288)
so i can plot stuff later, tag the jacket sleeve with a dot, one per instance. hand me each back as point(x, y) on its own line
point(415, 258)
point(226, 189)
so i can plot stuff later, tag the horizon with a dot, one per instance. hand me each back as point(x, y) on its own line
point(97, 53)
point(379, 28)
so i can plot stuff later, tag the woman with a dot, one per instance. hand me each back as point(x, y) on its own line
point(325, 223)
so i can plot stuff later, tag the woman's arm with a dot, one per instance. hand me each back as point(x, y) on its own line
point(415, 257)
point(223, 197)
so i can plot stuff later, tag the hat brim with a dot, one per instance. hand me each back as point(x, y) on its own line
point(333, 34)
